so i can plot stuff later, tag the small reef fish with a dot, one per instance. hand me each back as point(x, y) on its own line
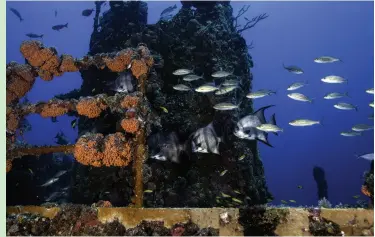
point(225, 106)
point(223, 172)
point(16, 13)
point(168, 10)
point(241, 157)
point(236, 191)
point(345, 106)
point(371, 104)
point(230, 82)
point(303, 122)
point(148, 191)
point(299, 187)
point(73, 123)
point(205, 140)
point(225, 195)
point(55, 13)
point(165, 147)
point(369, 156)
point(266, 127)
point(326, 59)
point(32, 35)
point(182, 72)
point(335, 95)
point(237, 200)
point(297, 85)
point(225, 89)
point(123, 83)
point(191, 77)
point(284, 202)
point(370, 91)
point(299, 97)
point(49, 182)
point(293, 69)
point(350, 134)
point(60, 173)
point(246, 126)
point(59, 27)
point(206, 88)
point(362, 127)
point(292, 201)
point(220, 74)
point(54, 119)
point(260, 94)
point(356, 196)
point(334, 79)
point(181, 87)
point(164, 109)
point(87, 12)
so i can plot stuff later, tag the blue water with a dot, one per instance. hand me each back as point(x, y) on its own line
point(294, 33)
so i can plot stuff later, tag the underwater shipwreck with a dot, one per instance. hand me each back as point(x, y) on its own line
point(115, 188)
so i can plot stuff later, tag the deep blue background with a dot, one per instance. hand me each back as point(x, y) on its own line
point(294, 34)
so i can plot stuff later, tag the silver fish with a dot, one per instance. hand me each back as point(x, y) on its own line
point(293, 69)
point(267, 127)
point(299, 97)
point(370, 91)
point(371, 104)
point(60, 173)
point(335, 95)
point(220, 74)
point(326, 59)
point(49, 182)
point(303, 122)
point(297, 85)
point(205, 140)
point(230, 82)
point(123, 83)
point(206, 88)
point(246, 127)
point(182, 72)
point(168, 10)
point(225, 106)
point(192, 77)
point(334, 79)
point(260, 94)
point(181, 87)
point(369, 156)
point(362, 127)
point(225, 89)
point(345, 106)
point(350, 134)
point(166, 147)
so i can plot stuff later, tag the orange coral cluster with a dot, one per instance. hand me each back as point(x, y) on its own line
point(20, 79)
point(8, 165)
point(12, 120)
point(365, 191)
point(45, 58)
point(139, 68)
point(116, 150)
point(129, 102)
point(130, 125)
point(120, 62)
point(91, 107)
point(68, 64)
point(54, 109)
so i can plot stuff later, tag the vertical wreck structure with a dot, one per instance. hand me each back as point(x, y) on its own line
point(203, 37)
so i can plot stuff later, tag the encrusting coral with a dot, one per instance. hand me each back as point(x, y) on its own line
point(130, 125)
point(54, 109)
point(91, 107)
point(120, 62)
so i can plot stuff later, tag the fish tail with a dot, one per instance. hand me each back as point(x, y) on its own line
point(341, 61)
point(356, 108)
point(41, 36)
point(21, 19)
point(358, 156)
point(321, 122)
point(347, 94)
point(66, 25)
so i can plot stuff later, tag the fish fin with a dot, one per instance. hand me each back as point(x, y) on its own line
point(41, 36)
point(321, 122)
point(21, 19)
point(347, 94)
point(66, 25)
point(358, 156)
point(260, 113)
point(284, 65)
point(265, 142)
point(273, 121)
point(341, 61)
point(356, 108)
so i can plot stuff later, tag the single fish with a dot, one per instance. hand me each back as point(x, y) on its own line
point(168, 10)
point(221, 74)
point(148, 191)
point(284, 202)
point(299, 187)
point(292, 201)
point(16, 13)
point(356, 196)
point(334, 79)
point(54, 119)
point(73, 123)
point(260, 94)
point(230, 82)
point(369, 156)
point(236, 191)
point(241, 157)
point(225, 89)
point(266, 127)
point(59, 27)
point(165, 147)
point(335, 95)
point(206, 88)
point(299, 97)
point(246, 126)
point(293, 69)
point(350, 134)
point(53, 196)
point(124, 83)
point(181, 87)
point(327, 59)
point(371, 104)
point(182, 72)
point(225, 106)
point(370, 91)
point(60, 173)
point(237, 200)
point(225, 195)
point(192, 77)
point(297, 85)
point(303, 122)
point(345, 106)
point(87, 12)
point(164, 109)
point(32, 35)
point(205, 140)
point(55, 13)
point(49, 182)
point(223, 172)
point(362, 127)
